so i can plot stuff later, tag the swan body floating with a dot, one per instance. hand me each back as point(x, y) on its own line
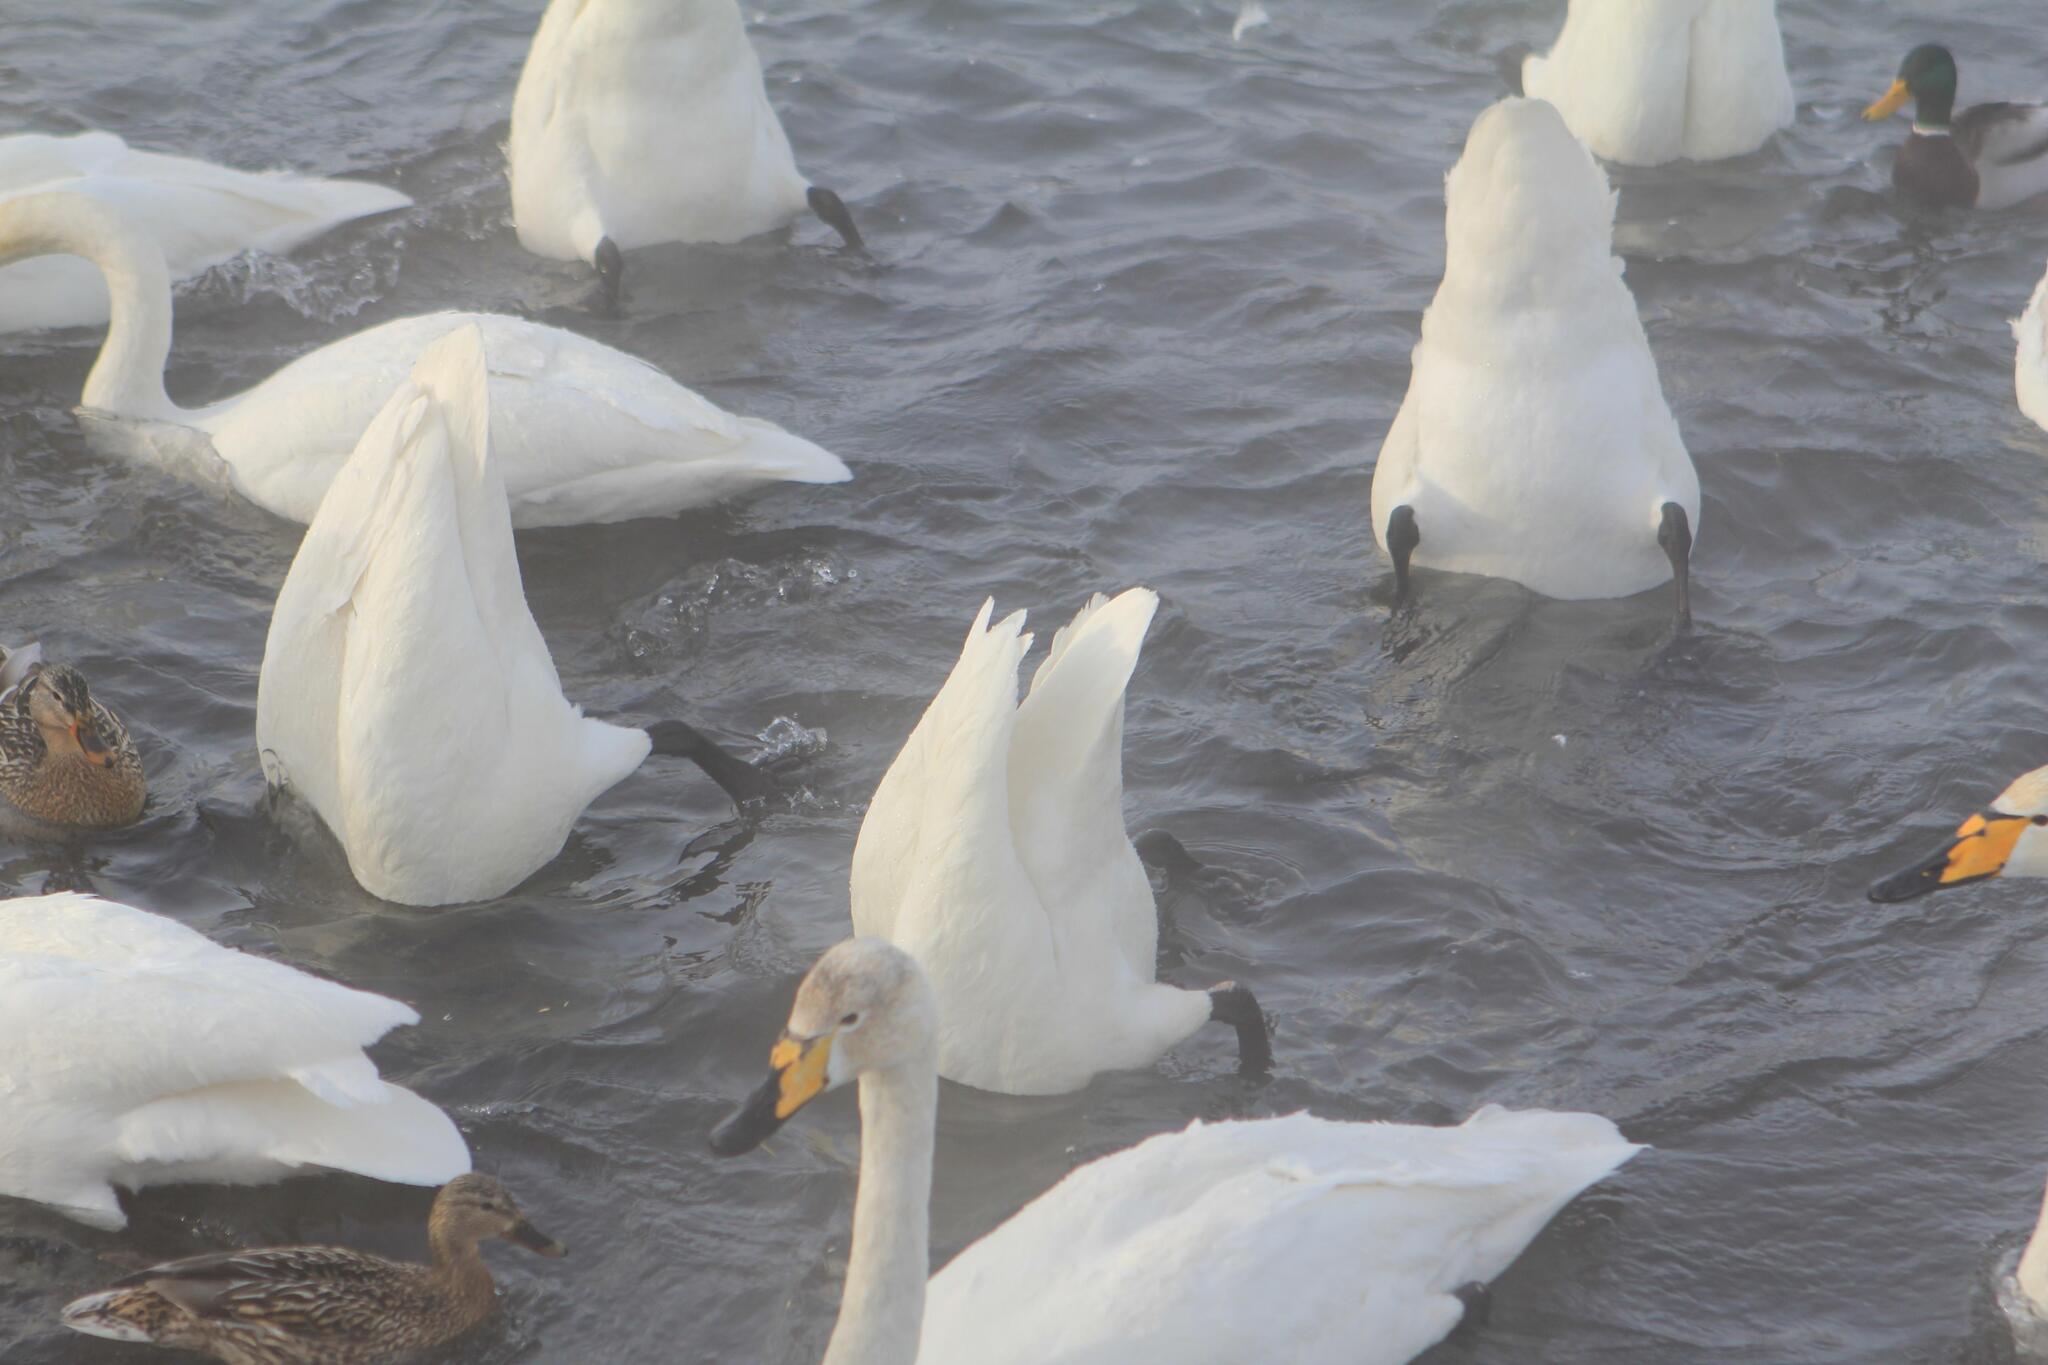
point(141, 1053)
point(1534, 442)
point(2030, 357)
point(199, 214)
point(66, 761)
point(321, 1305)
point(1990, 156)
point(406, 692)
point(2007, 839)
point(1294, 1239)
point(585, 433)
point(605, 82)
point(994, 853)
point(1644, 82)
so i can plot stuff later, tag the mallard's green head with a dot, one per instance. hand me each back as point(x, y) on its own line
point(1928, 76)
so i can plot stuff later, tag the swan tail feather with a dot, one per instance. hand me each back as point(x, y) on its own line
point(787, 456)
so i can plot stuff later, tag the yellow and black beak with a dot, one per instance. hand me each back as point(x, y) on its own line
point(1978, 851)
point(534, 1240)
point(87, 736)
point(1892, 101)
point(797, 1074)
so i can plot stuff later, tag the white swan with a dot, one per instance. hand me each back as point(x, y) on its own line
point(2030, 357)
point(1534, 442)
point(2007, 839)
point(1649, 81)
point(1293, 1239)
point(585, 433)
point(638, 122)
point(199, 214)
point(141, 1053)
point(994, 853)
point(406, 692)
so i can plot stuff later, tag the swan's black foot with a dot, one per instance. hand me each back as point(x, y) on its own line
point(1402, 537)
point(1674, 533)
point(1478, 1301)
point(741, 780)
point(611, 272)
point(1232, 1004)
point(1161, 851)
point(832, 209)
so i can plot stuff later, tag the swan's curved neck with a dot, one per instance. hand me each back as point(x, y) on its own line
point(128, 377)
point(2033, 1269)
point(881, 1314)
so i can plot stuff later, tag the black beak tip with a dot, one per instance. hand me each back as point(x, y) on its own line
point(1911, 884)
point(732, 1138)
point(537, 1242)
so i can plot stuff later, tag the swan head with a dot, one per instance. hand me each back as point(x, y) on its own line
point(1928, 74)
point(2010, 839)
point(1527, 194)
point(864, 1006)
point(475, 1207)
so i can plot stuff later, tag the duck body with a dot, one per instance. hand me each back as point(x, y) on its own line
point(608, 84)
point(141, 1053)
point(199, 214)
point(1534, 442)
point(406, 692)
point(66, 761)
point(587, 433)
point(1644, 82)
point(318, 1305)
point(1989, 156)
point(994, 852)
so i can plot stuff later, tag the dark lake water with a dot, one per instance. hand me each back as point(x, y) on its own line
point(1139, 311)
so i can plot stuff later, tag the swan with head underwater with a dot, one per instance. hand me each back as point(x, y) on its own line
point(198, 213)
point(585, 433)
point(1534, 442)
point(994, 853)
point(406, 692)
point(1644, 83)
point(1990, 156)
point(1296, 1238)
point(605, 81)
point(141, 1053)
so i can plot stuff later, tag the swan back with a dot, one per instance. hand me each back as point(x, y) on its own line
point(406, 691)
point(140, 1051)
point(2030, 359)
point(605, 80)
point(1534, 442)
point(1649, 81)
point(1296, 1239)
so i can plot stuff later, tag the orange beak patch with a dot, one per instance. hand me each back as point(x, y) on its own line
point(800, 1070)
point(1982, 847)
point(1890, 103)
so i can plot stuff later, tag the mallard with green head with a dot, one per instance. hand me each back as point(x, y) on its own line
point(321, 1305)
point(65, 759)
point(1986, 157)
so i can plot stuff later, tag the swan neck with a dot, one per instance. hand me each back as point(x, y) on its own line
point(2033, 1268)
point(881, 1314)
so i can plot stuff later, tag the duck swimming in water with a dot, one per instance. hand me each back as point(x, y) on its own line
point(66, 760)
point(1987, 157)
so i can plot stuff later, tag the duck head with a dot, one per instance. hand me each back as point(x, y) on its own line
point(2009, 839)
point(60, 704)
point(474, 1208)
point(864, 1006)
point(1928, 76)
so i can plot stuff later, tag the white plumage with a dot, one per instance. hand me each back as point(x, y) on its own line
point(994, 853)
point(199, 215)
point(2030, 359)
point(1649, 81)
point(584, 433)
point(406, 692)
point(646, 121)
point(1534, 442)
point(140, 1053)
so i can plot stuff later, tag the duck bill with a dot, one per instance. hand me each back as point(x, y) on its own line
point(1978, 852)
point(534, 1240)
point(1890, 103)
point(798, 1072)
point(87, 736)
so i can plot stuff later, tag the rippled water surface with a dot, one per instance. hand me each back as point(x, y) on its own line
point(1140, 310)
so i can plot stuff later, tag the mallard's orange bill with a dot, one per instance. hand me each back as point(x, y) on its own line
point(1892, 101)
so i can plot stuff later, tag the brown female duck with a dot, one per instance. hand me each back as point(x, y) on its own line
point(321, 1305)
point(65, 759)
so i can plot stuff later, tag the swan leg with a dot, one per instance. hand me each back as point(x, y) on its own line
point(1232, 1004)
point(611, 270)
point(1161, 851)
point(742, 781)
point(1674, 533)
point(1402, 538)
point(832, 209)
point(1478, 1301)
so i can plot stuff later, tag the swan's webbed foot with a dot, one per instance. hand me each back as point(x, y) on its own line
point(1232, 1004)
point(1478, 1301)
point(1402, 537)
point(832, 209)
point(611, 272)
point(1674, 533)
point(1162, 852)
point(741, 780)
